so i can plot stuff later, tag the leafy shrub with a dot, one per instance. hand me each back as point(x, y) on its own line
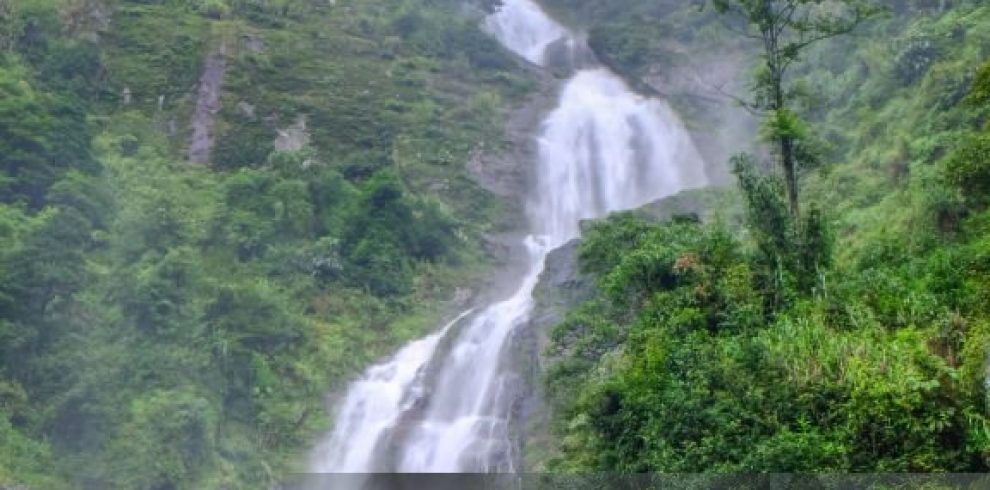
point(980, 91)
point(692, 377)
point(170, 432)
point(968, 168)
point(44, 136)
point(380, 266)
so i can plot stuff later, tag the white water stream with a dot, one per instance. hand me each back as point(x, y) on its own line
point(443, 404)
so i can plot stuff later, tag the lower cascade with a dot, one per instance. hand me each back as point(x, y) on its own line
point(604, 148)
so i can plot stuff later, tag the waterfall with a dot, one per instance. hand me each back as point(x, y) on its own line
point(603, 149)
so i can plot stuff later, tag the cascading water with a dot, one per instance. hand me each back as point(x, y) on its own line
point(603, 149)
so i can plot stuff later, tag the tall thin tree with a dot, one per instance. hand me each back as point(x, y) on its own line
point(785, 29)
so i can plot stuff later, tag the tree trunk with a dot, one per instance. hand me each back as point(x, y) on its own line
point(787, 160)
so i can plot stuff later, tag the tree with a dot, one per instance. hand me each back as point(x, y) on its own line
point(786, 28)
point(8, 25)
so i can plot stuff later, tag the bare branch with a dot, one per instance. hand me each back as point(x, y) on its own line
point(750, 107)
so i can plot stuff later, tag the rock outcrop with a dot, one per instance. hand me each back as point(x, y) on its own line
point(207, 107)
point(561, 288)
point(294, 137)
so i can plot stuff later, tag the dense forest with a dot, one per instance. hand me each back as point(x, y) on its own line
point(854, 339)
point(167, 324)
point(172, 317)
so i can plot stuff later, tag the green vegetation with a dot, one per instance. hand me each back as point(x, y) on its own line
point(787, 29)
point(856, 341)
point(169, 325)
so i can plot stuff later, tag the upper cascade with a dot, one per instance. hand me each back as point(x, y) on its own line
point(606, 149)
point(525, 29)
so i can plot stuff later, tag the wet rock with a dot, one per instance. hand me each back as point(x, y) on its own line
point(565, 56)
point(561, 288)
point(697, 205)
point(503, 168)
point(497, 247)
point(245, 109)
point(498, 173)
point(462, 298)
point(293, 138)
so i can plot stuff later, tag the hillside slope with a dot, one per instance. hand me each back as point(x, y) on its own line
point(213, 212)
point(706, 349)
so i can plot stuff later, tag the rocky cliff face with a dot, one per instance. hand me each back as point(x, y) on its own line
point(207, 107)
point(562, 287)
point(503, 168)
